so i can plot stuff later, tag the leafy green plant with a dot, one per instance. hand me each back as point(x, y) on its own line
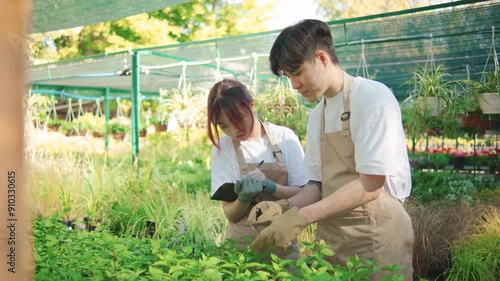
point(59, 255)
point(445, 186)
point(419, 116)
point(118, 126)
point(489, 84)
point(487, 91)
point(282, 106)
point(55, 122)
point(478, 258)
point(159, 121)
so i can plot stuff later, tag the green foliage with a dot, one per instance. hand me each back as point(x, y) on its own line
point(357, 8)
point(440, 159)
point(417, 120)
point(489, 84)
point(194, 20)
point(69, 255)
point(198, 20)
point(430, 83)
point(55, 122)
point(118, 126)
point(283, 106)
point(418, 115)
point(89, 121)
point(447, 186)
point(478, 258)
point(187, 106)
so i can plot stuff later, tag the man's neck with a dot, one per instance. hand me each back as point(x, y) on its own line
point(337, 84)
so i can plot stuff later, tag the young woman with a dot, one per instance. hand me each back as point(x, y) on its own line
point(235, 156)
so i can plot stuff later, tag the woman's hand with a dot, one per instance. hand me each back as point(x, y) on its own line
point(247, 188)
point(268, 185)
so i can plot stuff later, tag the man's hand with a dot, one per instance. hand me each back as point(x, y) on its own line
point(247, 188)
point(263, 213)
point(268, 185)
point(283, 229)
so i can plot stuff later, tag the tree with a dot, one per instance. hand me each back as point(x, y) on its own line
point(196, 20)
point(345, 9)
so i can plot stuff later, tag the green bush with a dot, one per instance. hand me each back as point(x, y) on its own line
point(63, 254)
point(447, 186)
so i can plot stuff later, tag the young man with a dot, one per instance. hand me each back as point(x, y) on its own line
point(356, 158)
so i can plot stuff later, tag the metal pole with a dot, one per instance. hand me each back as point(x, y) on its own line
point(108, 110)
point(135, 105)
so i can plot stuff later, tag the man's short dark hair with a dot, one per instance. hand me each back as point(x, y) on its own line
point(298, 43)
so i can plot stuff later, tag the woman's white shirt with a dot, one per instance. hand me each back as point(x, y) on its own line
point(225, 166)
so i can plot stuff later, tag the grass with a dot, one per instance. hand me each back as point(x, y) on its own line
point(437, 226)
point(478, 257)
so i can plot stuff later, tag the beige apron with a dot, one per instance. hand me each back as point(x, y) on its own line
point(241, 232)
point(380, 230)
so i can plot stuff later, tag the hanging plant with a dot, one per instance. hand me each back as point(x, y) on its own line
point(281, 105)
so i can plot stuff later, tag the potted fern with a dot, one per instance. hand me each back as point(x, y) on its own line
point(429, 108)
point(487, 92)
point(431, 89)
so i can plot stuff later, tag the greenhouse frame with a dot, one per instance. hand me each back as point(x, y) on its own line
point(388, 47)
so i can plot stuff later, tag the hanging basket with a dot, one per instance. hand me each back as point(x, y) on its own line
point(160, 127)
point(119, 136)
point(96, 134)
point(490, 103)
point(435, 104)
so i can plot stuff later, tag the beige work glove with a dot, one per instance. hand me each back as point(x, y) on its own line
point(261, 214)
point(283, 229)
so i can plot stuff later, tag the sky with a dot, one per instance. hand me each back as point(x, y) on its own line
point(291, 11)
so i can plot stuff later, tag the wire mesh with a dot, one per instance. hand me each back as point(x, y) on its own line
point(395, 45)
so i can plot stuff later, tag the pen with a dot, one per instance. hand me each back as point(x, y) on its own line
point(258, 165)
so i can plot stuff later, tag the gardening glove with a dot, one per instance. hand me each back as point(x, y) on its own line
point(247, 188)
point(262, 214)
point(283, 229)
point(268, 185)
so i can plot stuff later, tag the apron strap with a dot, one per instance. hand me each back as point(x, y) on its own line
point(344, 118)
point(276, 149)
point(239, 152)
point(347, 108)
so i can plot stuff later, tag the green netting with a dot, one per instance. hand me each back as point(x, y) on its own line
point(51, 15)
point(395, 45)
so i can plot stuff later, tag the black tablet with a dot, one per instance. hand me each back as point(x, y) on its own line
point(225, 193)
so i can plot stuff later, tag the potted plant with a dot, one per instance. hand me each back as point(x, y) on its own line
point(68, 129)
point(417, 120)
point(159, 124)
point(431, 89)
point(118, 128)
point(487, 92)
point(90, 122)
point(450, 119)
point(54, 123)
point(143, 128)
point(429, 108)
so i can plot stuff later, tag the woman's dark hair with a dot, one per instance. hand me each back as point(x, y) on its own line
point(231, 97)
point(298, 43)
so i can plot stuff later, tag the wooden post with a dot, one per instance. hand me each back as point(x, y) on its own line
point(16, 255)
